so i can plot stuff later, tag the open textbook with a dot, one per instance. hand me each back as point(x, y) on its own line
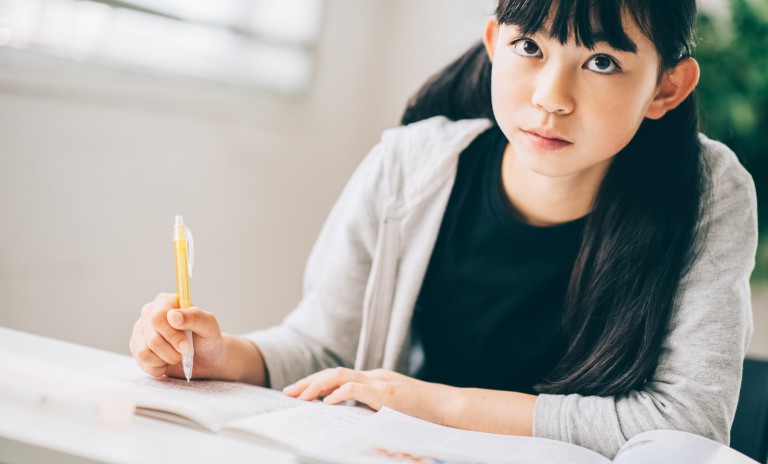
point(237, 409)
point(320, 433)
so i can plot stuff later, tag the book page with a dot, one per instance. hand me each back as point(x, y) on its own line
point(389, 437)
point(207, 403)
point(302, 427)
point(678, 447)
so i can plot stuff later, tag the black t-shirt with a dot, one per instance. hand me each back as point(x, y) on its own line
point(489, 314)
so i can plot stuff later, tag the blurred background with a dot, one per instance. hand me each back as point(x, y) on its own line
point(246, 117)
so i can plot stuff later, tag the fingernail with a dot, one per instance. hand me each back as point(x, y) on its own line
point(175, 317)
point(184, 347)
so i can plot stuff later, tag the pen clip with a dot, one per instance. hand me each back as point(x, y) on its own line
point(190, 250)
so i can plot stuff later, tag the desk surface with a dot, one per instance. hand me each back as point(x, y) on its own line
point(27, 435)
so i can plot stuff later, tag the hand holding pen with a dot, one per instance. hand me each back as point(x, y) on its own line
point(158, 339)
point(162, 336)
point(162, 339)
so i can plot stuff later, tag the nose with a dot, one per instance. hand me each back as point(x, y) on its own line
point(553, 91)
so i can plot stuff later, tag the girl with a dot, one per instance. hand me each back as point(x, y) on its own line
point(546, 247)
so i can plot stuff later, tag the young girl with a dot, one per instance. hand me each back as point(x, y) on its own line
point(546, 247)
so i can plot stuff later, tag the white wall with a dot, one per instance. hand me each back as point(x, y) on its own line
point(94, 164)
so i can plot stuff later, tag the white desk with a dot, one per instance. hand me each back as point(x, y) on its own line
point(29, 436)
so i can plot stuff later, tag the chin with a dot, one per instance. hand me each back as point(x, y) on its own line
point(551, 171)
point(549, 164)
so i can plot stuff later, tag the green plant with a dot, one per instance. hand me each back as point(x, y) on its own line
point(733, 95)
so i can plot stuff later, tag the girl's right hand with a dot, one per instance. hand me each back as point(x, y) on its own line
point(158, 339)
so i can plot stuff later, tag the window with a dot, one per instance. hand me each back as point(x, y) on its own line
point(252, 43)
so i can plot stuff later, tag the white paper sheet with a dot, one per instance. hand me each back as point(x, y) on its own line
point(303, 427)
point(391, 437)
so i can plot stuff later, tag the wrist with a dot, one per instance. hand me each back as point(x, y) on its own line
point(242, 361)
point(493, 411)
point(451, 406)
point(226, 366)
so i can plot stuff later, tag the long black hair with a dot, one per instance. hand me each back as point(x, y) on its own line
point(644, 230)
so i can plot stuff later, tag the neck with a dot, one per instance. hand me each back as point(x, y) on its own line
point(546, 201)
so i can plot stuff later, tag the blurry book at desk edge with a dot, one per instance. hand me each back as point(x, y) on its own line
point(47, 388)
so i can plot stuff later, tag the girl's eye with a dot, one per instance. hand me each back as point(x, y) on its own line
point(527, 48)
point(603, 64)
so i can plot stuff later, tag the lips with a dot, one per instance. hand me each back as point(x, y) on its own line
point(546, 139)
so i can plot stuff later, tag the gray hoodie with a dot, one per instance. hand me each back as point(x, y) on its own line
point(366, 269)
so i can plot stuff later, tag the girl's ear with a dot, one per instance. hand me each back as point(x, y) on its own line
point(489, 37)
point(675, 87)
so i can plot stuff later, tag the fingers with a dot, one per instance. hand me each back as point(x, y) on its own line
point(163, 339)
point(322, 383)
point(157, 341)
point(361, 392)
point(202, 323)
point(376, 388)
point(154, 343)
point(147, 360)
point(297, 388)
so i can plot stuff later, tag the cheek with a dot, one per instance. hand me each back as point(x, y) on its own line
point(509, 91)
point(614, 120)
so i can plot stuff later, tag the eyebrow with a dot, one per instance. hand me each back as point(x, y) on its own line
point(600, 37)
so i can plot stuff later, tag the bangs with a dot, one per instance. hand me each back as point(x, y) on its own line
point(587, 21)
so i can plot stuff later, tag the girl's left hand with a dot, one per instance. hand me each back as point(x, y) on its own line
point(378, 388)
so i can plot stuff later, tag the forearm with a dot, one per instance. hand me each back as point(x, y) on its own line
point(492, 411)
point(243, 362)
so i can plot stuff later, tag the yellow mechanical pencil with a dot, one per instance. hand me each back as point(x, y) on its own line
point(183, 250)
